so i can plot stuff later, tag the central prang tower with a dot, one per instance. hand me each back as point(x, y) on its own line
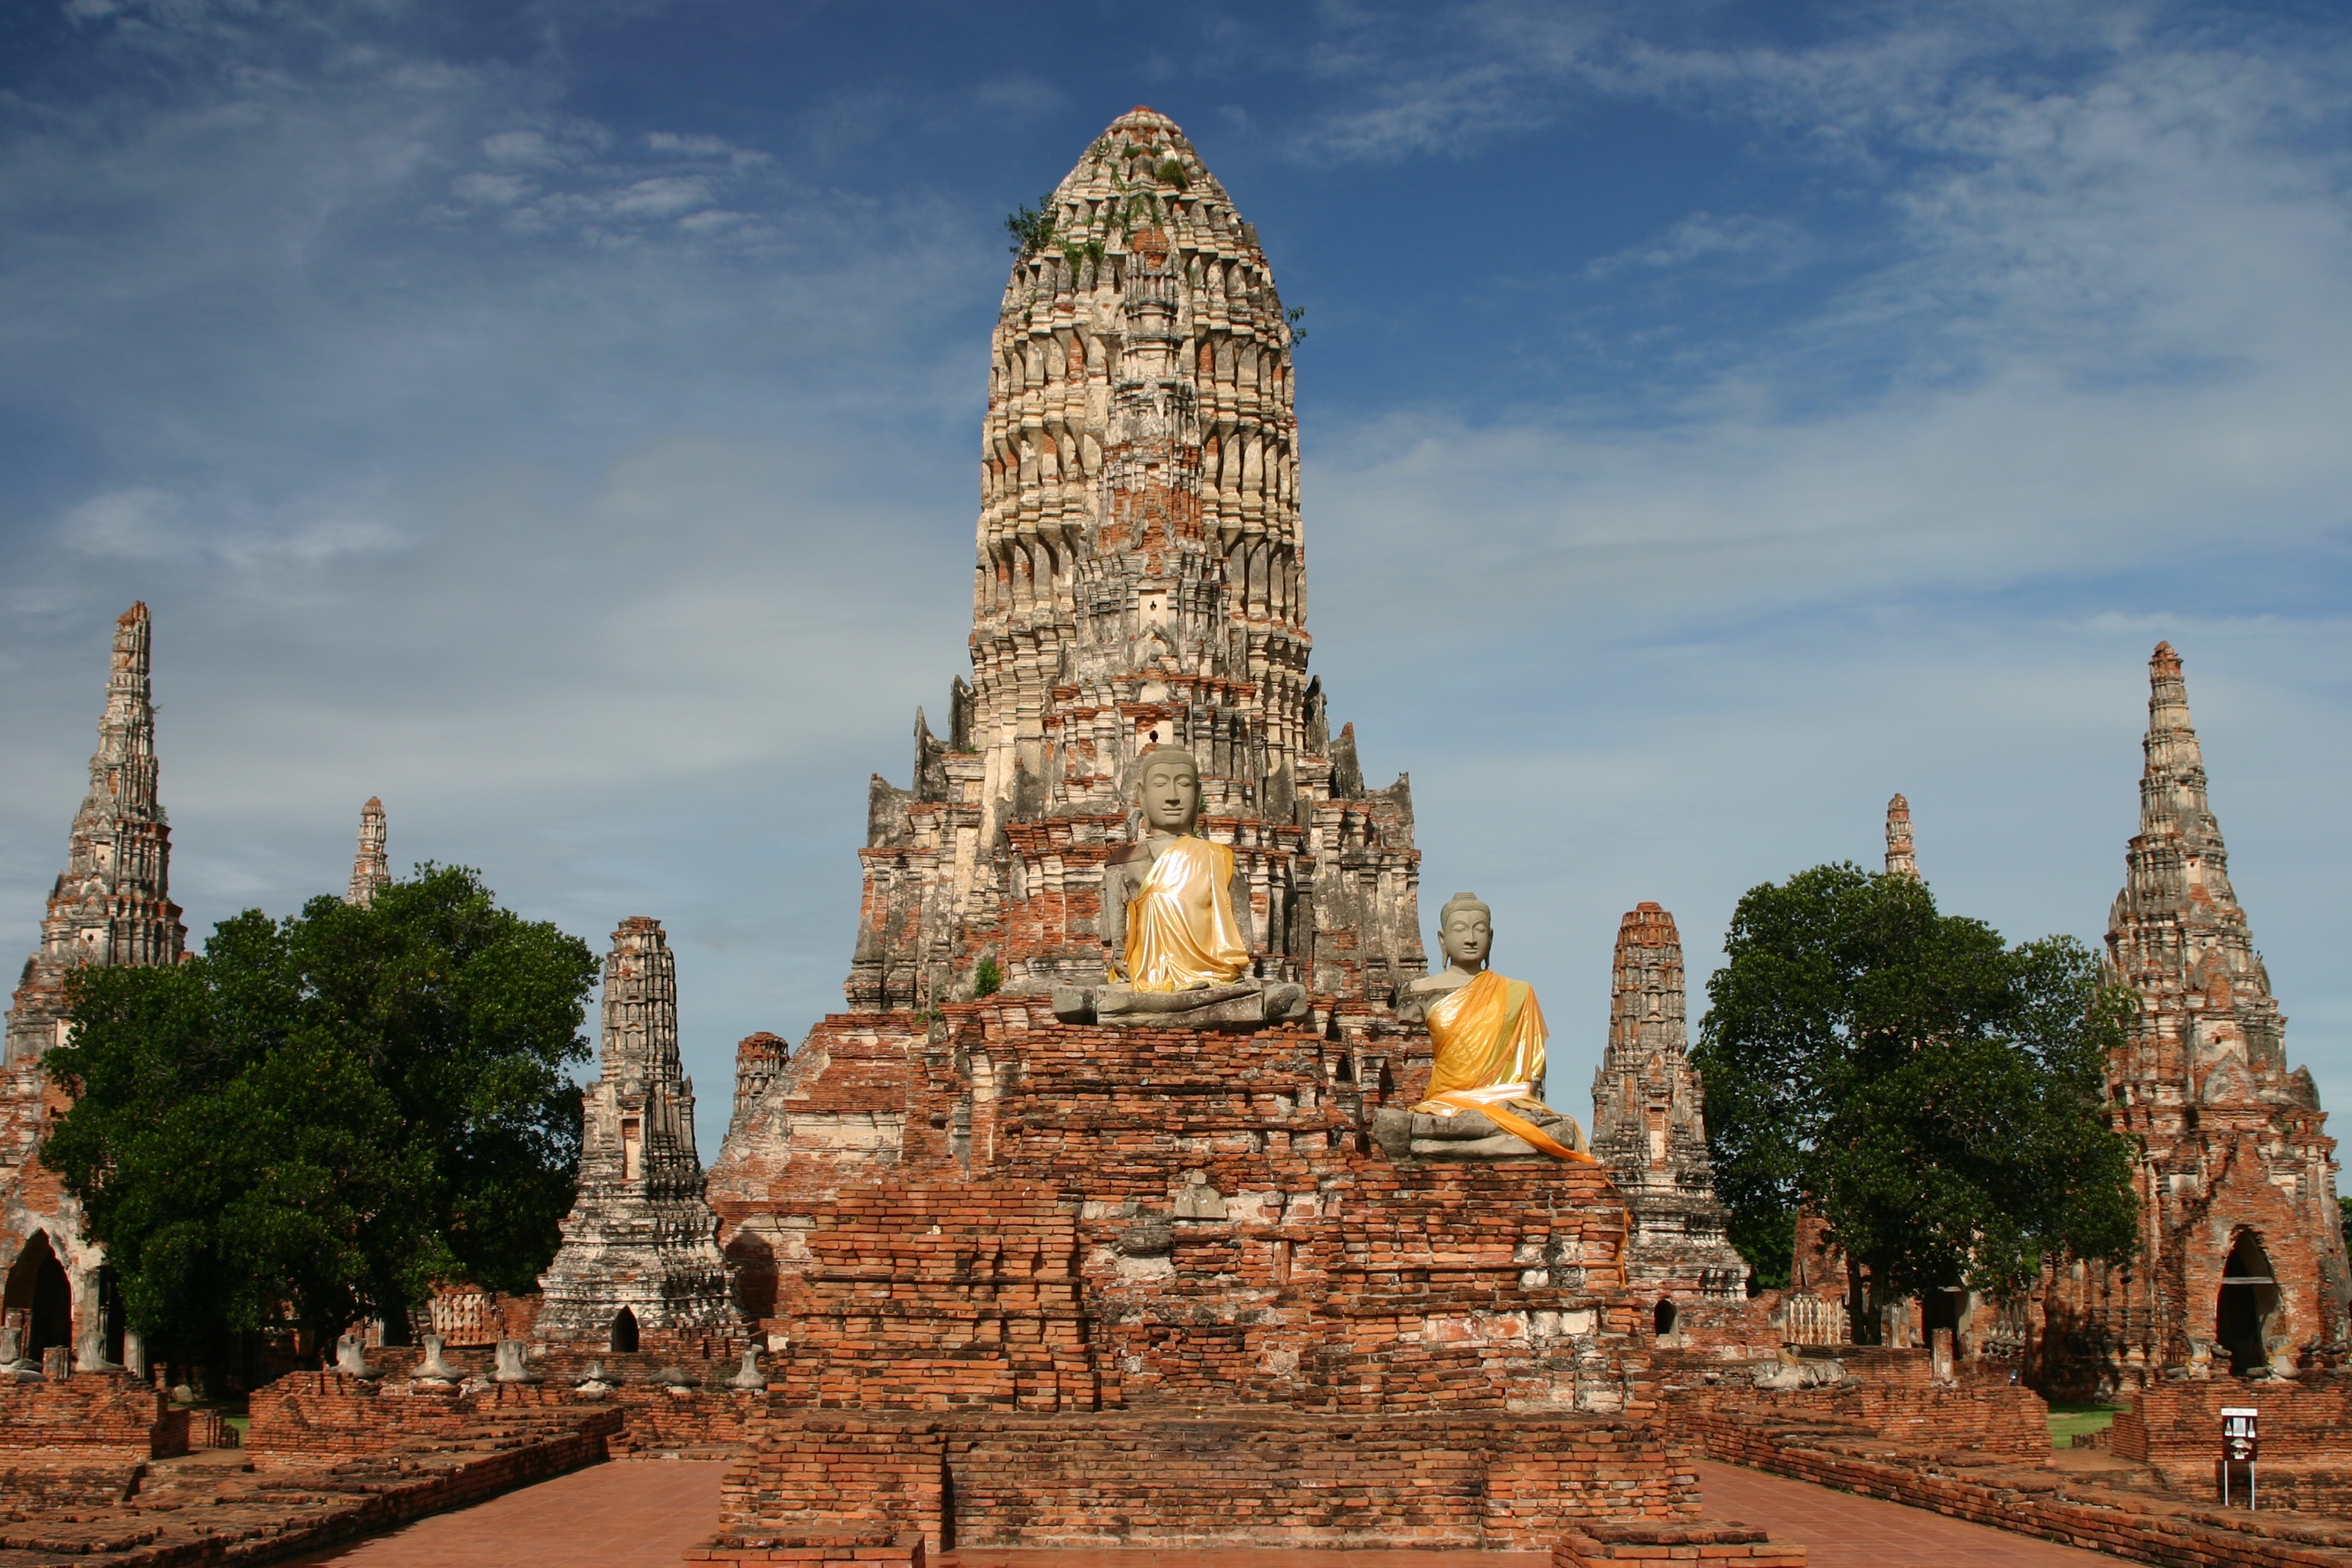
point(1141, 580)
point(1026, 1232)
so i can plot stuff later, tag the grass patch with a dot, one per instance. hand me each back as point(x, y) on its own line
point(2070, 1419)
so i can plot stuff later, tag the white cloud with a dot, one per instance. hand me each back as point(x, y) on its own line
point(135, 524)
point(666, 196)
point(481, 190)
point(524, 149)
point(1764, 247)
point(151, 525)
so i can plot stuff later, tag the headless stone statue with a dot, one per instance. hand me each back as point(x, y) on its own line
point(1490, 1036)
point(1175, 922)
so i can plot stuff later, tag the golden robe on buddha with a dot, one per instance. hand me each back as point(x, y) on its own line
point(1490, 1036)
point(1181, 930)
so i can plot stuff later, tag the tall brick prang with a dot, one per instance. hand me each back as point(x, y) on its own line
point(370, 870)
point(1649, 1127)
point(111, 906)
point(1901, 861)
point(2243, 1264)
point(640, 1256)
point(1140, 580)
point(113, 902)
point(1010, 1255)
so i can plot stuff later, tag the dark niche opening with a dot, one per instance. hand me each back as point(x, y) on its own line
point(624, 1333)
point(2249, 1301)
point(1662, 1320)
point(38, 1288)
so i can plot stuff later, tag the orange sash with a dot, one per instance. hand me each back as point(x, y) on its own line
point(1490, 1036)
point(1181, 930)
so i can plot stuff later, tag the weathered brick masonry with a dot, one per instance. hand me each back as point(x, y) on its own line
point(95, 1468)
point(2175, 1427)
point(1218, 1477)
point(92, 1411)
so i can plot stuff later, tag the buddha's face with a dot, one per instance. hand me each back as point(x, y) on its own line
point(1466, 938)
point(1172, 795)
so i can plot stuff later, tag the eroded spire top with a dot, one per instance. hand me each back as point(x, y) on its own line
point(370, 870)
point(2172, 791)
point(1901, 861)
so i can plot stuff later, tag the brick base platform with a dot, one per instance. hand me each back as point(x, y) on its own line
point(1242, 1476)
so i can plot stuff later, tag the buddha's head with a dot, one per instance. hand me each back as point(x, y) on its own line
point(1169, 784)
point(1466, 932)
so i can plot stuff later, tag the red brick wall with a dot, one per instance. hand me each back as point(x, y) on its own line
point(1890, 1394)
point(2177, 1427)
point(90, 1410)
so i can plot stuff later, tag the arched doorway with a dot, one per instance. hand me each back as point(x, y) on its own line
point(38, 1288)
point(2241, 1318)
point(1662, 1320)
point(624, 1333)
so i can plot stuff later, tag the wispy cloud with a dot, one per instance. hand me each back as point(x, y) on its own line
point(1737, 245)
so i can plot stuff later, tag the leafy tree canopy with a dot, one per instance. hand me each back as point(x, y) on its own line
point(321, 1116)
point(1932, 1091)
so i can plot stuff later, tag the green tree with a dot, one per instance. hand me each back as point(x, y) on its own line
point(1932, 1091)
point(316, 1118)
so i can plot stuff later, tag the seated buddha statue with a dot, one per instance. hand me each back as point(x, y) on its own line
point(1489, 1036)
point(1175, 920)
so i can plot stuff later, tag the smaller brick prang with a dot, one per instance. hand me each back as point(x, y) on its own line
point(640, 1259)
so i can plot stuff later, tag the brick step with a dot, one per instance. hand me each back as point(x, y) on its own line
point(1171, 1482)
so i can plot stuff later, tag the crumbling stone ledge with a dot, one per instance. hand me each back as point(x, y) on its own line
point(1679, 1541)
point(882, 1547)
point(2075, 1510)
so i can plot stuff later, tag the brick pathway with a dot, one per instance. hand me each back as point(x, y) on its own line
point(1843, 1531)
point(629, 1514)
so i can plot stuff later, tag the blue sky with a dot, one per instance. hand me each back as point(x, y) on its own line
point(561, 421)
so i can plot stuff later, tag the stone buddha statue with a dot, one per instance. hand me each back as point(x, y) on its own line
point(1175, 920)
point(1490, 1034)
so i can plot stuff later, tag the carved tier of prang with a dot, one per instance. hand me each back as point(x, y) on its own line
point(1151, 1265)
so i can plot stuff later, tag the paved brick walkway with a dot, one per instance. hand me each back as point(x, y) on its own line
point(1843, 1531)
point(631, 1514)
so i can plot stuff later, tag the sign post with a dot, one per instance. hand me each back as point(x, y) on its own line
point(2241, 1445)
